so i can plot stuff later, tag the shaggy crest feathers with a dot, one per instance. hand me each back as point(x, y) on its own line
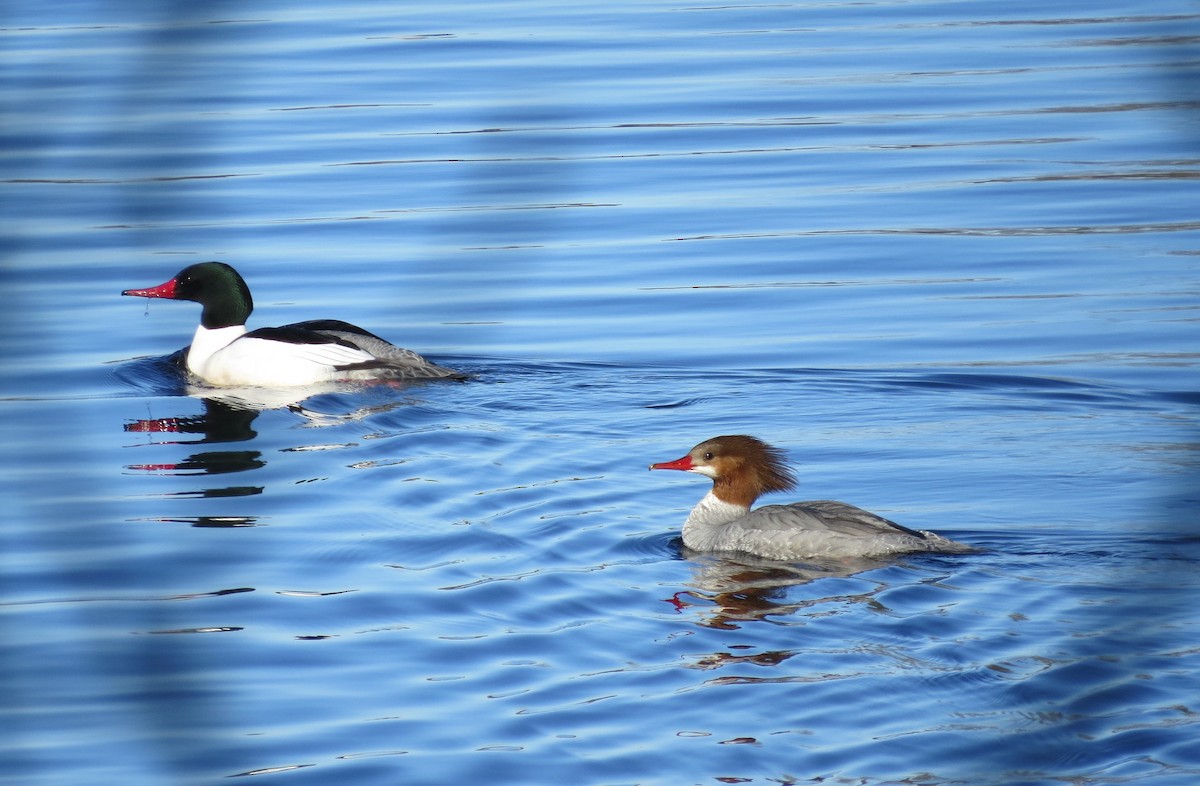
point(761, 467)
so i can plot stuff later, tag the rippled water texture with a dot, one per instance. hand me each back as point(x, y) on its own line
point(944, 254)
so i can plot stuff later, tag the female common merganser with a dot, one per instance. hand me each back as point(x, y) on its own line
point(224, 353)
point(742, 468)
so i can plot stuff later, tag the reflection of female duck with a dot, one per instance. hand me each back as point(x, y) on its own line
point(743, 468)
point(732, 589)
point(303, 353)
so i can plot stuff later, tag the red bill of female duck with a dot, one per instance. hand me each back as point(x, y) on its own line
point(224, 353)
point(742, 468)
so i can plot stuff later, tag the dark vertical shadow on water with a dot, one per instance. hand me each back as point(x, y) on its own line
point(1181, 80)
point(525, 164)
point(160, 65)
point(169, 65)
point(1160, 583)
point(1181, 503)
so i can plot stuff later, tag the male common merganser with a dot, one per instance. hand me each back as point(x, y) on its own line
point(303, 353)
point(742, 468)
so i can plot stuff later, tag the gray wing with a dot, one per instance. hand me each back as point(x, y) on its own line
point(826, 515)
point(828, 528)
point(398, 362)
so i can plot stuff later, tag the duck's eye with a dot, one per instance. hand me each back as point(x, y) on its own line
point(708, 456)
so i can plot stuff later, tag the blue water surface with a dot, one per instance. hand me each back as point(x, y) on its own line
point(945, 254)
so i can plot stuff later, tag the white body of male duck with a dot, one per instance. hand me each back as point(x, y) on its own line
point(742, 468)
point(224, 353)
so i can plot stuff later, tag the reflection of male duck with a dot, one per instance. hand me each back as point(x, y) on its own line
point(229, 415)
point(224, 353)
point(220, 423)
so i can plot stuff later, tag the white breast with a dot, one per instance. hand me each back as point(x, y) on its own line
point(225, 357)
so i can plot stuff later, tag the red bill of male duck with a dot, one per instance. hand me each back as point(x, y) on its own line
point(742, 468)
point(224, 353)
